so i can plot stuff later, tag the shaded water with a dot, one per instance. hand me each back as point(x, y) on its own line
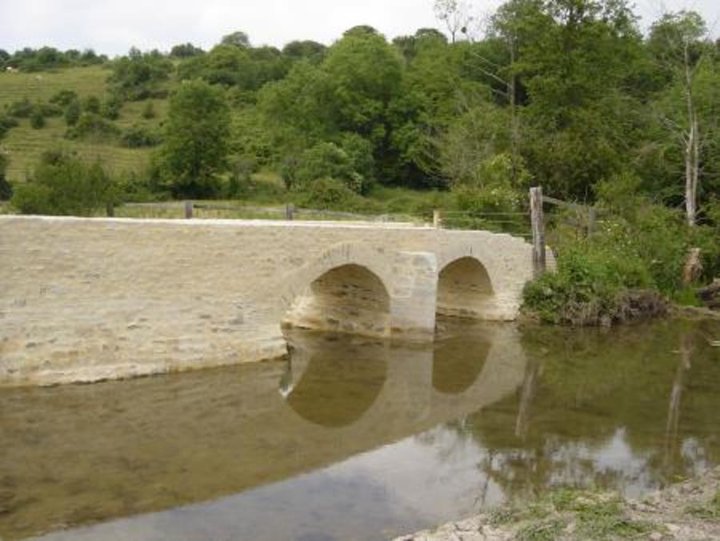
point(360, 439)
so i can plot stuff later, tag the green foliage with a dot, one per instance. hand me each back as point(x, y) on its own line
point(47, 58)
point(139, 76)
point(110, 108)
point(643, 247)
point(72, 112)
point(587, 288)
point(62, 184)
point(185, 50)
point(63, 97)
point(330, 194)
point(138, 136)
point(350, 164)
point(37, 119)
point(196, 139)
point(545, 530)
point(148, 111)
point(20, 109)
point(6, 123)
point(6, 190)
point(92, 126)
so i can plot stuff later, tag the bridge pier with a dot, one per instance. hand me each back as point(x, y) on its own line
point(414, 295)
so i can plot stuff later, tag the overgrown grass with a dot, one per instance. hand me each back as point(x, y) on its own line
point(85, 81)
point(25, 145)
point(711, 510)
point(623, 271)
point(587, 514)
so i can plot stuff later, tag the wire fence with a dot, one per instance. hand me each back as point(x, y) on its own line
point(514, 223)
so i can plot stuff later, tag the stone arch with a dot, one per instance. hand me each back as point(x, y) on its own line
point(465, 289)
point(343, 291)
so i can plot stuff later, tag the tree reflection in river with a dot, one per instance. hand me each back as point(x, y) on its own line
point(627, 409)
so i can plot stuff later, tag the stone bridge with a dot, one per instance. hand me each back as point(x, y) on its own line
point(85, 299)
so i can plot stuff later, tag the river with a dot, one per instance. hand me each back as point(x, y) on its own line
point(358, 439)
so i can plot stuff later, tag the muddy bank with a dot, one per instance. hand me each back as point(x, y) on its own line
point(689, 510)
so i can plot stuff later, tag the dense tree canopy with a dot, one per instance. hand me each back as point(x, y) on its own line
point(196, 139)
point(564, 93)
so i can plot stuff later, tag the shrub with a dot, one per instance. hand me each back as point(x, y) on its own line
point(351, 164)
point(6, 123)
point(138, 136)
point(37, 120)
point(110, 108)
point(6, 190)
point(62, 184)
point(92, 126)
point(72, 112)
point(331, 194)
point(64, 97)
point(20, 108)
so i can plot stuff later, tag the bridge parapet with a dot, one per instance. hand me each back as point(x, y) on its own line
point(84, 299)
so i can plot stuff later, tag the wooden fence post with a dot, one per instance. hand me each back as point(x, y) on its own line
point(437, 219)
point(538, 230)
point(188, 210)
point(289, 211)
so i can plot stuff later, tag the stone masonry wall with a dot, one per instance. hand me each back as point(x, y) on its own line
point(88, 299)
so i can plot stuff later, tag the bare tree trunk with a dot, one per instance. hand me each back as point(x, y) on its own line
point(513, 113)
point(692, 148)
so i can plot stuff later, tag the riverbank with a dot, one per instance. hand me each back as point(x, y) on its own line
point(686, 511)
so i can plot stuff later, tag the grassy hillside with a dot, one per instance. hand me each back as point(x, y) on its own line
point(23, 144)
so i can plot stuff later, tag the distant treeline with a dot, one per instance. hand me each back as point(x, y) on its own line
point(46, 58)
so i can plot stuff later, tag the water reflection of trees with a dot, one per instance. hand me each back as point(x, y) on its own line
point(629, 408)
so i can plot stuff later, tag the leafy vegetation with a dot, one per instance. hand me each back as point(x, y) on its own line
point(63, 184)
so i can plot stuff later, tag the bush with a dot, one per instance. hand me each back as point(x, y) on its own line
point(20, 108)
point(72, 112)
point(138, 136)
point(37, 120)
point(110, 108)
point(592, 286)
point(92, 126)
point(64, 97)
point(64, 185)
point(331, 194)
point(6, 123)
point(351, 164)
point(6, 190)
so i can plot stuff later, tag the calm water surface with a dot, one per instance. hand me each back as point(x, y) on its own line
point(355, 439)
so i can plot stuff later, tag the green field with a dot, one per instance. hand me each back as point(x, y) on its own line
point(23, 145)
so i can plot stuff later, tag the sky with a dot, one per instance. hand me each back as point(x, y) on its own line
point(113, 26)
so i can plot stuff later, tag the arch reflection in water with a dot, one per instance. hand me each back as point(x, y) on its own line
point(458, 362)
point(126, 448)
point(349, 298)
point(333, 382)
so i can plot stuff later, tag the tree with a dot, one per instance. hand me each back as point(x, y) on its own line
point(185, 50)
point(197, 134)
point(307, 50)
point(62, 184)
point(138, 75)
point(455, 14)
point(237, 39)
point(684, 57)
